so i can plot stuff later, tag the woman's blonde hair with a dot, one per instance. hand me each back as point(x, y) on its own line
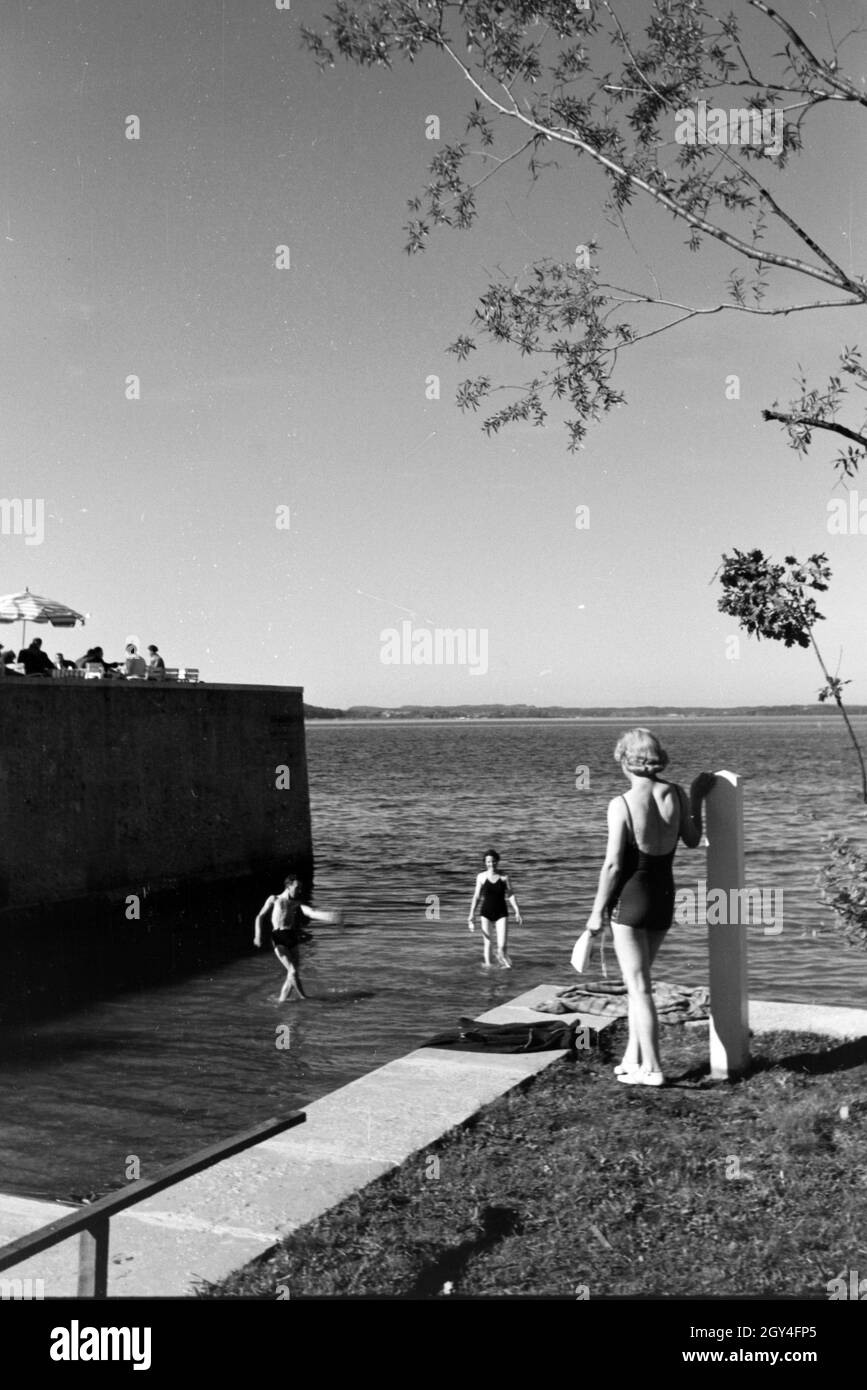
point(639, 751)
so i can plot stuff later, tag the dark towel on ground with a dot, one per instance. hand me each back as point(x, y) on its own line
point(506, 1037)
point(674, 1003)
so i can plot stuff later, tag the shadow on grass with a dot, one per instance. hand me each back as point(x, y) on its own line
point(842, 1058)
point(496, 1224)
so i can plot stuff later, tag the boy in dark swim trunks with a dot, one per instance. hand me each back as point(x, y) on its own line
point(491, 893)
point(288, 914)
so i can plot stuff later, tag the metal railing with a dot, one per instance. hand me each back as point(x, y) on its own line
point(92, 1222)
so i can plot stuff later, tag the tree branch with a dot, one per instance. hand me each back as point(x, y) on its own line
point(639, 297)
point(842, 84)
point(568, 137)
point(791, 223)
point(813, 422)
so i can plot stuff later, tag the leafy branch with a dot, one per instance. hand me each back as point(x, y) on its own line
point(817, 410)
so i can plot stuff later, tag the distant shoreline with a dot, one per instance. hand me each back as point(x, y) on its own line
point(437, 714)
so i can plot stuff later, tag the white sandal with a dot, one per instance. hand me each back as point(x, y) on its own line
point(642, 1077)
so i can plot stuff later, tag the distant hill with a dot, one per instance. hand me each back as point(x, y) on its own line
point(626, 713)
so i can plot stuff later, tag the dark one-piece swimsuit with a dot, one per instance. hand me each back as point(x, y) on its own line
point(646, 896)
point(493, 903)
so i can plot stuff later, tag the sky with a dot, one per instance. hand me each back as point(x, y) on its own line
point(284, 494)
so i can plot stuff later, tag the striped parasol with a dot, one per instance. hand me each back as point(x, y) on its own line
point(31, 608)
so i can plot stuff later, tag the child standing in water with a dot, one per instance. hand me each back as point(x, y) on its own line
point(288, 915)
point(492, 892)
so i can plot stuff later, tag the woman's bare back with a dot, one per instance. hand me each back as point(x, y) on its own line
point(656, 816)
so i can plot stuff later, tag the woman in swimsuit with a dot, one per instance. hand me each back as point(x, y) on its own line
point(636, 881)
point(491, 893)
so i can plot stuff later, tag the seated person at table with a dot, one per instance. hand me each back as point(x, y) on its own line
point(134, 667)
point(62, 663)
point(34, 660)
point(94, 657)
point(155, 664)
point(7, 660)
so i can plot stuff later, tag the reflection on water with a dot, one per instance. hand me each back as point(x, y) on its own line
point(402, 816)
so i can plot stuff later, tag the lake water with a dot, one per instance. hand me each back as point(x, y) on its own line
point(402, 814)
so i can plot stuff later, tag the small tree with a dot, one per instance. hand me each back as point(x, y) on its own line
point(843, 884)
point(771, 600)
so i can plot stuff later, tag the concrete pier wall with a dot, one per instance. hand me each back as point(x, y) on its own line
point(176, 795)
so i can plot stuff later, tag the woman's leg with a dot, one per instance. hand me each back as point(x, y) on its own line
point(486, 940)
point(635, 949)
point(502, 942)
point(654, 940)
point(632, 1055)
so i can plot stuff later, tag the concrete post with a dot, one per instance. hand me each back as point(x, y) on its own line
point(727, 941)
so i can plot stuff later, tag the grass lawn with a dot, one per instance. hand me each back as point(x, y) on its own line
point(577, 1186)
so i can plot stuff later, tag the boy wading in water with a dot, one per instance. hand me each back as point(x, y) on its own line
point(288, 914)
point(492, 892)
